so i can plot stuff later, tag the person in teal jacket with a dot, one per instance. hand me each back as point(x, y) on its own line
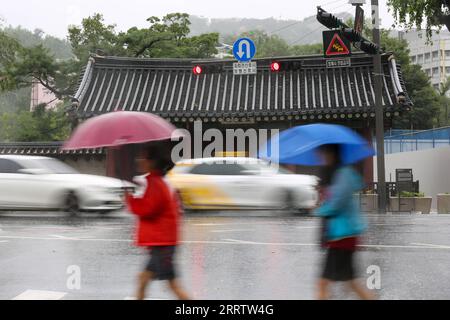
point(343, 223)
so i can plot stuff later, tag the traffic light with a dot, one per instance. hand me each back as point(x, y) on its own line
point(368, 47)
point(328, 20)
point(332, 22)
point(199, 69)
point(275, 66)
point(359, 41)
point(351, 35)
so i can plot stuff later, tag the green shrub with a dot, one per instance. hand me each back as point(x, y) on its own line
point(406, 194)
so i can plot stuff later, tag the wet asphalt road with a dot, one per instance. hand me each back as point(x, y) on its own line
point(238, 255)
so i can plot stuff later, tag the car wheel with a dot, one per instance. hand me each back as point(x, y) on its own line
point(305, 212)
point(72, 204)
point(183, 207)
point(106, 212)
point(288, 202)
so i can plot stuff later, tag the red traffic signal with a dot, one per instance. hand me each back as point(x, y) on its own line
point(197, 70)
point(275, 66)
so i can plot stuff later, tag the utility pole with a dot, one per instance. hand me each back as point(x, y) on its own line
point(332, 22)
point(379, 112)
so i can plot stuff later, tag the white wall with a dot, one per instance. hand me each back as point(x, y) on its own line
point(431, 167)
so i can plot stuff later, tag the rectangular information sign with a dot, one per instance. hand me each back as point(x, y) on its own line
point(243, 68)
point(338, 63)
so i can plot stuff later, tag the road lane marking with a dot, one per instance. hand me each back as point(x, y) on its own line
point(230, 230)
point(40, 295)
point(271, 243)
point(210, 224)
point(63, 237)
point(237, 242)
point(312, 227)
point(133, 298)
point(431, 245)
point(314, 245)
point(4, 241)
point(57, 236)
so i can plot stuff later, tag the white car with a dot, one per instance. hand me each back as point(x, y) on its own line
point(243, 183)
point(42, 183)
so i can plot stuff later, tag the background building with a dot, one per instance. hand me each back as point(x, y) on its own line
point(434, 57)
point(41, 95)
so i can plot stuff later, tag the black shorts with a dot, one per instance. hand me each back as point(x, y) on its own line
point(161, 263)
point(339, 265)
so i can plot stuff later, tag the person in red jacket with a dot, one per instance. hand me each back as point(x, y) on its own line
point(158, 214)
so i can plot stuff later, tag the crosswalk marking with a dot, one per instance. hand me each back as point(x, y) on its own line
point(40, 295)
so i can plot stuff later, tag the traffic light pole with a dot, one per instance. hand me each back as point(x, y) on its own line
point(379, 114)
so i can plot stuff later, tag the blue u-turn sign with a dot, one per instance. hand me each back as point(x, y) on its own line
point(244, 49)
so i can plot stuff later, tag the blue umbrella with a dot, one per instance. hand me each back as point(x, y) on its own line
point(299, 145)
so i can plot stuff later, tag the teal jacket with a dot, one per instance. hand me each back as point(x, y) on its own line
point(341, 209)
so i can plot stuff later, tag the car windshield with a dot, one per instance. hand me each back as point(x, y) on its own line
point(50, 165)
point(266, 167)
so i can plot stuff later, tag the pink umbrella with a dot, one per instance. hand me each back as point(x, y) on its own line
point(120, 128)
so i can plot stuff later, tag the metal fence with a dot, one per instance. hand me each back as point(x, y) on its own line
point(407, 140)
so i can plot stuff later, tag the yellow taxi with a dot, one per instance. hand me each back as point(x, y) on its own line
point(241, 183)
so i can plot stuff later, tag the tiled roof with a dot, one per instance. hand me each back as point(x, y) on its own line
point(43, 149)
point(169, 88)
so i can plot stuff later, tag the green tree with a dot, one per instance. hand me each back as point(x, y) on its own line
point(163, 38)
point(443, 117)
point(39, 125)
point(92, 35)
point(411, 14)
point(60, 48)
point(166, 37)
point(424, 97)
point(306, 49)
point(266, 45)
point(427, 103)
point(8, 52)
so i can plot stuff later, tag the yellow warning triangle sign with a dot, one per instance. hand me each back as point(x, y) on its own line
point(337, 46)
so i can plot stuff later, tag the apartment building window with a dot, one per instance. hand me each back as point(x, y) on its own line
point(427, 57)
point(435, 72)
point(428, 72)
point(435, 55)
point(420, 58)
point(413, 59)
point(447, 70)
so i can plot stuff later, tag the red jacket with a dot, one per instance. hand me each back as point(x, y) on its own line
point(158, 213)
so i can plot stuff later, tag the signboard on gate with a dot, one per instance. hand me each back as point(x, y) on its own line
point(243, 68)
point(244, 50)
point(339, 63)
point(334, 44)
point(359, 20)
